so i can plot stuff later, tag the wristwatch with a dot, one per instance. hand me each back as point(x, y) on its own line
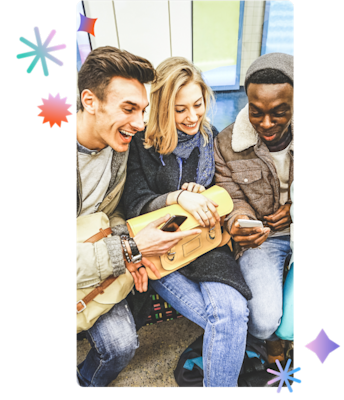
point(136, 256)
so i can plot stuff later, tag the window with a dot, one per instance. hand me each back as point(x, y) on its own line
point(278, 31)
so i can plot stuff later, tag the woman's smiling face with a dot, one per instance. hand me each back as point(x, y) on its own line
point(189, 108)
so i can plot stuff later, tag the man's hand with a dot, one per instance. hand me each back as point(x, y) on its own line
point(281, 219)
point(152, 241)
point(248, 237)
point(139, 273)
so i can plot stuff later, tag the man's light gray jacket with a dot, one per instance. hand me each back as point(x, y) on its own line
point(91, 267)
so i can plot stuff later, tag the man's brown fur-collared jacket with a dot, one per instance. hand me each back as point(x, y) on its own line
point(245, 168)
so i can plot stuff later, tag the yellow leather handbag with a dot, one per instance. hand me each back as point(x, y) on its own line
point(189, 248)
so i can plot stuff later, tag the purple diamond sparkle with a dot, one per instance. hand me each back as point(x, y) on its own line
point(322, 346)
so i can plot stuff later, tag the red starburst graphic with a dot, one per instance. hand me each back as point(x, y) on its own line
point(54, 110)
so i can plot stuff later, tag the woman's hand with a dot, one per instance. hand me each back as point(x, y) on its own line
point(193, 187)
point(202, 208)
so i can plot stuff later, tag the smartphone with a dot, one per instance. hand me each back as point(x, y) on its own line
point(173, 223)
point(249, 223)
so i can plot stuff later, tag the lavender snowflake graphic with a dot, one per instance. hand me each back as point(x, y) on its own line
point(284, 375)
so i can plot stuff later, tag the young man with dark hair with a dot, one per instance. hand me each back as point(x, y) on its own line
point(254, 163)
point(112, 103)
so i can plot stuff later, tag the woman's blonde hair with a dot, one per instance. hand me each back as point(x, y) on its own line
point(172, 75)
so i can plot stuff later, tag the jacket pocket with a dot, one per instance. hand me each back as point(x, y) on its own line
point(252, 183)
point(247, 177)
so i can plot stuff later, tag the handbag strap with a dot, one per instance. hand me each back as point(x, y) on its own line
point(81, 304)
point(103, 233)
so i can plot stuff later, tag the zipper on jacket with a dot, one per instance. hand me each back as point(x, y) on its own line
point(78, 186)
point(79, 194)
point(114, 193)
point(290, 168)
point(276, 187)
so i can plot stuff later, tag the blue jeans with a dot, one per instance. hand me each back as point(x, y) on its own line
point(262, 269)
point(114, 341)
point(223, 314)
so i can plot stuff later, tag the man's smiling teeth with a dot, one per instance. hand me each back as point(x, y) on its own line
point(126, 133)
point(191, 126)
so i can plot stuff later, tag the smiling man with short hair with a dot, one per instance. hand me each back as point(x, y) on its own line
point(113, 100)
point(254, 163)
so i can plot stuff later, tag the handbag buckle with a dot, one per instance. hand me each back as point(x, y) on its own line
point(83, 306)
point(170, 256)
point(212, 233)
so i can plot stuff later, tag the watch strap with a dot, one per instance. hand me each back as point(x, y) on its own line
point(133, 247)
point(136, 256)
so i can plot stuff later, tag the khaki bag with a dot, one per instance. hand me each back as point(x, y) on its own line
point(92, 229)
point(189, 248)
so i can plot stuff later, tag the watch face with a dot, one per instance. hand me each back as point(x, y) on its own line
point(136, 259)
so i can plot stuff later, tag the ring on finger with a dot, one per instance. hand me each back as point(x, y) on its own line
point(142, 266)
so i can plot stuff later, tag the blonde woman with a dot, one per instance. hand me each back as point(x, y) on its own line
point(172, 161)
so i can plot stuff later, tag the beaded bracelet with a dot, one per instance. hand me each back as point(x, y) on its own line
point(123, 238)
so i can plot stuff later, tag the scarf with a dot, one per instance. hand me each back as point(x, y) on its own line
point(206, 164)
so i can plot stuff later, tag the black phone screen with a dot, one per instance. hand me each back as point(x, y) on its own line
point(173, 223)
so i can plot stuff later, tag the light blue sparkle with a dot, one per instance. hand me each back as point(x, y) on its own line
point(41, 51)
point(283, 375)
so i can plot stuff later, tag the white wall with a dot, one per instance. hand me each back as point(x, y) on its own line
point(143, 29)
point(157, 30)
point(154, 30)
point(181, 28)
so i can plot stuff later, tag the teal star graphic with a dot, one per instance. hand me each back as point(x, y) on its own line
point(41, 51)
